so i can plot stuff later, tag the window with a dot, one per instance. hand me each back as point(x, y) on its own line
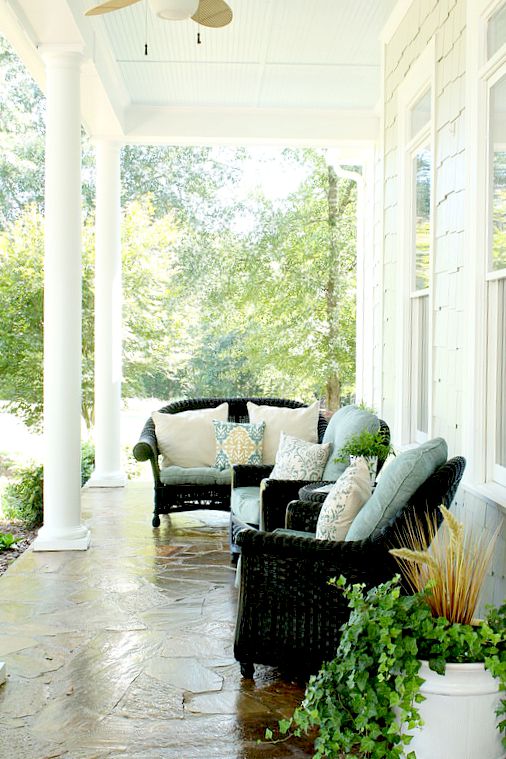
point(496, 259)
point(420, 177)
point(414, 355)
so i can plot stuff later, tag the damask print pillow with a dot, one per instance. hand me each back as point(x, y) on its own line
point(238, 443)
point(299, 460)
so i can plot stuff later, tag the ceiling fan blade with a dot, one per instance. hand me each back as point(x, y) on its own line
point(213, 13)
point(110, 5)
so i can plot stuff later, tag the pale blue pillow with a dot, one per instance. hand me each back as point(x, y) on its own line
point(400, 479)
point(348, 421)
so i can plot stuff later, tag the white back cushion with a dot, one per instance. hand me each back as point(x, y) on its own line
point(301, 423)
point(187, 439)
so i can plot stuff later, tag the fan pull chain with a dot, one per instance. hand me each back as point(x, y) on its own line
point(146, 28)
point(198, 39)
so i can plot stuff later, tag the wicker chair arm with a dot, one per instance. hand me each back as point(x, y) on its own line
point(276, 494)
point(146, 448)
point(249, 475)
point(303, 515)
point(346, 557)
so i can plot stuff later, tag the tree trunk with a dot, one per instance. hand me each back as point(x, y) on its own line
point(335, 210)
point(333, 393)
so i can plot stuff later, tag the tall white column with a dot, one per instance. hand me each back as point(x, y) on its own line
point(62, 528)
point(107, 319)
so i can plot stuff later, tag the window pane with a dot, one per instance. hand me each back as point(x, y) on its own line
point(500, 443)
point(420, 114)
point(498, 174)
point(422, 363)
point(422, 172)
point(496, 31)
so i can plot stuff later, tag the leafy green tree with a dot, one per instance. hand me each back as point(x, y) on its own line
point(289, 291)
point(22, 137)
point(22, 309)
point(21, 306)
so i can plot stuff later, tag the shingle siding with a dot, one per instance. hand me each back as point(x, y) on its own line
point(446, 21)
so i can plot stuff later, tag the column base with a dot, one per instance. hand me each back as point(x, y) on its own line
point(3, 672)
point(76, 539)
point(107, 480)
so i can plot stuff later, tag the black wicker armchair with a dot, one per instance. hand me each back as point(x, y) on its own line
point(277, 494)
point(288, 616)
point(187, 496)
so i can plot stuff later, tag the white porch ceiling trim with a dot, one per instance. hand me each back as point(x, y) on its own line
point(187, 126)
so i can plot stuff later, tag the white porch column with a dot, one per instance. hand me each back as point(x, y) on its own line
point(107, 319)
point(62, 529)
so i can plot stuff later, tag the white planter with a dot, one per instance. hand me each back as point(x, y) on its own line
point(459, 714)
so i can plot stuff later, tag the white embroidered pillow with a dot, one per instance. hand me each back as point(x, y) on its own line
point(344, 501)
point(299, 460)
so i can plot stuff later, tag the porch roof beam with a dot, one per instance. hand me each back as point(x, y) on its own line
point(283, 126)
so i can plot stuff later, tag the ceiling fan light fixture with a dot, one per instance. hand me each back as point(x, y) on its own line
point(174, 10)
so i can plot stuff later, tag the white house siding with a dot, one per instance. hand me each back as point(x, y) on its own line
point(446, 21)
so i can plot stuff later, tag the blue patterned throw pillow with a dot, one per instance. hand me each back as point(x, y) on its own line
point(238, 443)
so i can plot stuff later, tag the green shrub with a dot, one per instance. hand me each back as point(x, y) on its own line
point(23, 498)
point(87, 461)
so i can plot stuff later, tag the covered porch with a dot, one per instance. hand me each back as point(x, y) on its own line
point(417, 99)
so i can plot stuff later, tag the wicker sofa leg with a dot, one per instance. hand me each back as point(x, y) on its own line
point(156, 519)
point(247, 669)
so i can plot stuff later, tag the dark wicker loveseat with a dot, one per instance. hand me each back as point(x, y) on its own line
point(288, 616)
point(185, 497)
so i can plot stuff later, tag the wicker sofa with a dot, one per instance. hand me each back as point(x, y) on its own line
point(187, 494)
point(287, 614)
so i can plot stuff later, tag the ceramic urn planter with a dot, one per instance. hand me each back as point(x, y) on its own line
point(459, 714)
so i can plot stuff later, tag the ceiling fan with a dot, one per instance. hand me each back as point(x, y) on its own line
point(213, 13)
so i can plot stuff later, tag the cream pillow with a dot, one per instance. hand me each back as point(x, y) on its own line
point(344, 501)
point(187, 439)
point(301, 423)
point(299, 460)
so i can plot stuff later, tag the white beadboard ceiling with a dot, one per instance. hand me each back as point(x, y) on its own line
point(300, 68)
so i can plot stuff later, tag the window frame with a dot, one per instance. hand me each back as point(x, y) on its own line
point(420, 80)
point(477, 391)
point(491, 73)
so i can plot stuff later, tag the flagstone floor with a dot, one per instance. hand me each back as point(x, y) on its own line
point(126, 650)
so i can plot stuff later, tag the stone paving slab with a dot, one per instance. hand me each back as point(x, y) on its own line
point(126, 650)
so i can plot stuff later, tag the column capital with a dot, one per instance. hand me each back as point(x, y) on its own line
point(64, 54)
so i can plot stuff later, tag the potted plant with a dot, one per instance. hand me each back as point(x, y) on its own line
point(369, 700)
point(371, 445)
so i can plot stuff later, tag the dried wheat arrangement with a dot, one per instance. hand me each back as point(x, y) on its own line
point(451, 561)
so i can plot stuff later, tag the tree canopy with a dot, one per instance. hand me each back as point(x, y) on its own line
point(225, 292)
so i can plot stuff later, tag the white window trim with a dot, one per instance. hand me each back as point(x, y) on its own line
point(420, 78)
point(475, 401)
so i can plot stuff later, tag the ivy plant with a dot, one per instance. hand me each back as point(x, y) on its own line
point(365, 700)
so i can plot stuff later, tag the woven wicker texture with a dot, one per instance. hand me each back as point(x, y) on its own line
point(288, 616)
